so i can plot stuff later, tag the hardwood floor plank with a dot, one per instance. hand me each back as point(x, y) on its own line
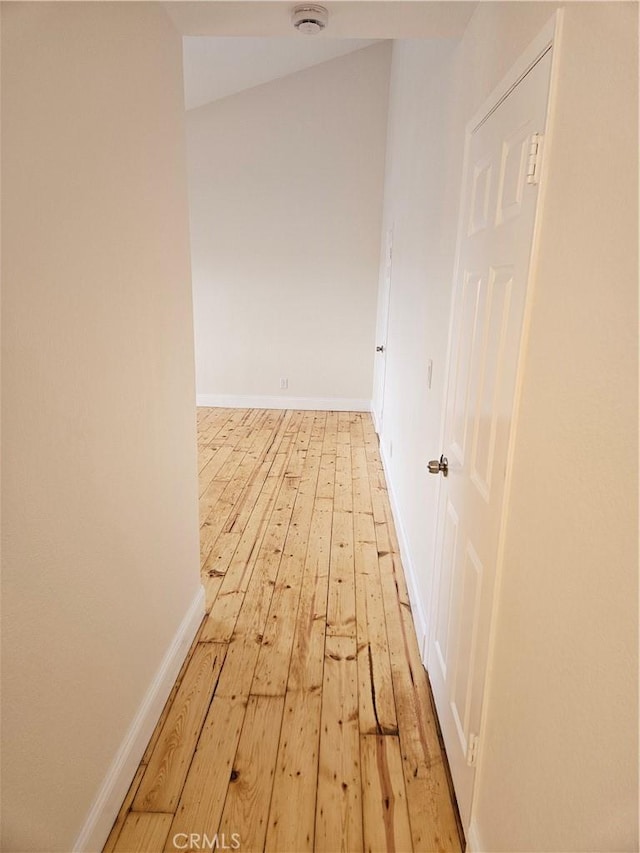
point(272, 669)
point(229, 448)
point(361, 491)
point(341, 608)
point(238, 490)
point(432, 815)
point(254, 547)
point(233, 431)
point(221, 621)
point(384, 801)
point(203, 796)
point(433, 824)
point(246, 808)
point(215, 423)
point(339, 798)
point(343, 492)
point(237, 674)
point(209, 498)
point(375, 686)
point(329, 444)
point(292, 814)
point(327, 477)
point(164, 777)
point(212, 584)
point(307, 659)
point(259, 461)
point(205, 455)
point(293, 805)
point(254, 524)
point(221, 552)
point(144, 833)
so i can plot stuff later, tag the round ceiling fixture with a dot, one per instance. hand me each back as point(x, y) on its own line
point(310, 19)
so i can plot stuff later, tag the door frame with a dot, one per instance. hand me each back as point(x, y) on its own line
point(382, 334)
point(550, 36)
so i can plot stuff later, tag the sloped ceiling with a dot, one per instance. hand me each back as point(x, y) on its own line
point(231, 46)
point(217, 67)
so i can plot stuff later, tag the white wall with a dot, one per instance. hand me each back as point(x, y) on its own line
point(558, 763)
point(100, 538)
point(285, 184)
point(420, 292)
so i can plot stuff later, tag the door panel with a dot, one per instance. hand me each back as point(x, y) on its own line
point(443, 614)
point(493, 259)
point(479, 206)
point(470, 595)
point(471, 290)
point(491, 368)
point(513, 170)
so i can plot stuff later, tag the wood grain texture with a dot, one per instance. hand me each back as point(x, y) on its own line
point(384, 801)
point(339, 809)
point(144, 832)
point(341, 606)
point(302, 719)
point(246, 808)
point(293, 803)
point(375, 685)
point(203, 797)
point(167, 769)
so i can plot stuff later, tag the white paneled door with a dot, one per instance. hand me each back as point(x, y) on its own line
point(494, 251)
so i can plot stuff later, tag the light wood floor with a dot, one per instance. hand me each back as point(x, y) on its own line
point(302, 718)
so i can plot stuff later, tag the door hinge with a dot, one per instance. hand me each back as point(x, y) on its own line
point(472, 750)
point(535, 157)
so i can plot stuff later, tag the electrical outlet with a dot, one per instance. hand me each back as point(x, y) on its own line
point(284, 384)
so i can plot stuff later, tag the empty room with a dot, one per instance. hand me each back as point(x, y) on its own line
point(319, 426)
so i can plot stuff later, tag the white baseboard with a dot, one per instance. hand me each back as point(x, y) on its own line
point(106, 805)
point(321, 404)
point(474, 845)
point(417, 609)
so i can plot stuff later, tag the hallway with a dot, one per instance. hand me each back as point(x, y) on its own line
point(302, 718)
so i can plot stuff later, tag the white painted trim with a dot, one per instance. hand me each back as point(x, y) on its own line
point(474, 845)
point(417, 610)
point(374, 419)
point(320, 404)
point(115, 785)
point(525, 62)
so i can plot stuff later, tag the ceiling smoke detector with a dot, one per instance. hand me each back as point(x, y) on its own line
point(310, 19)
